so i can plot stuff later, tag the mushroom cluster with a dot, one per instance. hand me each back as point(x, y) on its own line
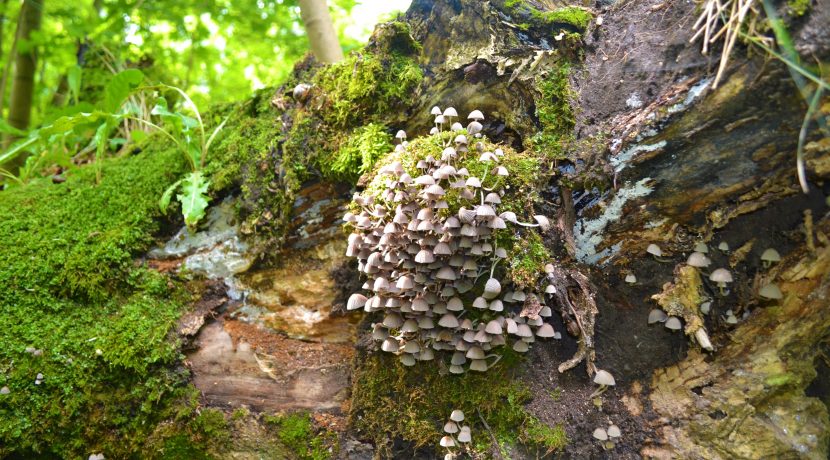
point(431, 269)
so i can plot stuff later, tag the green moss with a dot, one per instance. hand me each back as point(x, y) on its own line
point(572, 19)
point(391, 401)
point(573, 16)
point(527, 260)
point(358, 153)
point(550, 439)
point(69, 285)
point(556, 117)
point(364, 87)
point(798, 8)
point(297, 432)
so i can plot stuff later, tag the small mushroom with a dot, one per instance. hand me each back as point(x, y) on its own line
point(655, 251)
point(723, 246)
point(447, 441)
point(464, 435)
point(674, 323)
point(5, 391)
point(450, 427)
point(614, 431)
point(701, 247)
point(771, 291)
point(604, 378)
point(657, 316)
point(698, 260)
point(457, 416)
point(601, 434)
point(769, 257)
point(721, 276)
point(630, 278)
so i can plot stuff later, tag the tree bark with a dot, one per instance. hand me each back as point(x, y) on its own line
point(7, 69)
point(23, 85)
point(320, 30)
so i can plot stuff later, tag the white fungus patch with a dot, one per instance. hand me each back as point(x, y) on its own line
point(694, 92)
point(588, 233)
point(621, 160)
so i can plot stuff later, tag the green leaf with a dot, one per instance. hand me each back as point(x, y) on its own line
point(6, 128)
point(194, 198)
point(73, 77)
point(164, 202)
point(138, 135)
point(119, 88)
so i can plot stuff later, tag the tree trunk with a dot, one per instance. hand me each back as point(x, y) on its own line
point(7, 69)
point(320, 31)
point(23, 85)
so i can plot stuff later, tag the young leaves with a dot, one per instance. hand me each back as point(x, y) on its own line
point(119, 88)
point(194, 198)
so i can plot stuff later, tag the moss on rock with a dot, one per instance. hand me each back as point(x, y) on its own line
point(72, 291)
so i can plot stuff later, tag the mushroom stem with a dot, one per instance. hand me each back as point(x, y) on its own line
point(498, 357)
point(602, 389)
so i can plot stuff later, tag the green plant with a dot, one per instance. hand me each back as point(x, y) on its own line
point(297, 432)
point(51, 141)
point(189, 136)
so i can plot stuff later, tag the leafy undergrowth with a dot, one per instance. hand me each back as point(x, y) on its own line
point(392, 401)
point(70, 289)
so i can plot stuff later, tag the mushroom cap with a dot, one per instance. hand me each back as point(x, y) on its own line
point(654, 250)
point(603, 377)
point(475, 352)
point(771, 255)
point(475, 115)
point(450, 112)
point(410, 325)
point(657, 316)
point(457, 416)
point(721, 275)
point(723, 246)
point(493, 327)
point(449, 321)
point(701, 247)
point(492, 288)
point(698, 259)
point(390, 345)
point(450, 427)
point(674, 323)
point(614, 431)
point(771, 291)
point(447, 441)
point(435, 110)
point(455, 304)
point(401, 134)
point(521, 346)
point(601, 434)
point(356, 301)
point(545, 331)
point(464, 435)
point(478, 365)
point(630, 278)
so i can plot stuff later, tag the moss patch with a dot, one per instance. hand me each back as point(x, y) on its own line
point(528, 258)
point(391, 401)
point(571, 19)
point(69, 286)
point(297, 432)
point(359, 152)
point(556, 117)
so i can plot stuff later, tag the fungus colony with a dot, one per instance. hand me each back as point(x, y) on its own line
point(432, 271)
